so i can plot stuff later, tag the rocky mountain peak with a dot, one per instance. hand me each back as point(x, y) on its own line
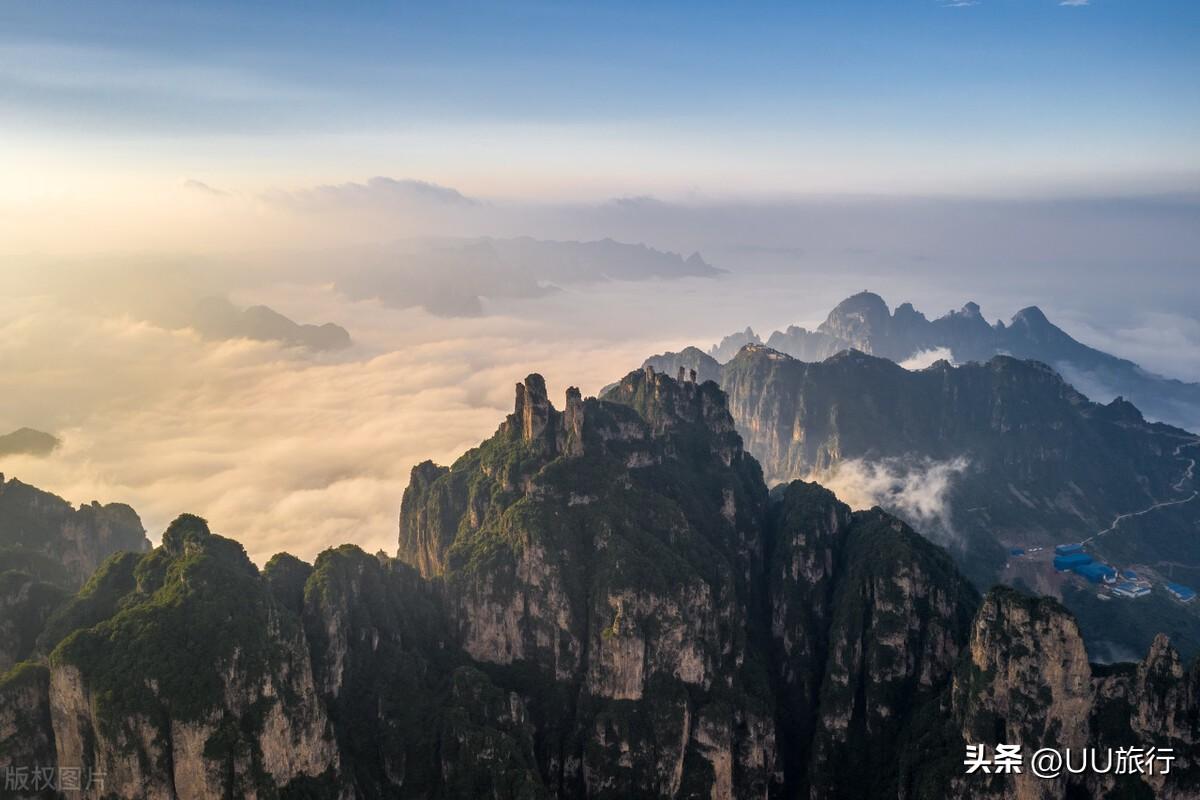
point(731, 344)
point(858, 318)
point(667, 403)
point(907, 315)
point(862, 322)
point(1031, 317)
point(27, 441)
point(532, 409)
point(184, 530)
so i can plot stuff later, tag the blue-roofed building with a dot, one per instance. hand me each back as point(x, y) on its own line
point(1064, 563)
point(1096, 572)
point(1127, 589)
point(1129, 575)
point(1017, 551)
point(1068, 549)
point(1184, 594)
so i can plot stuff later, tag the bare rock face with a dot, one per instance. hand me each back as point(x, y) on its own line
point(26, 733)
point(200, 686)
point(79, 539)
point(602, 602)
point(572, 550)
point(1028, 681)
point(412, 715)
point(868, 622)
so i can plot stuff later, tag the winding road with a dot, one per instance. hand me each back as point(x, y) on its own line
point(1177, 486)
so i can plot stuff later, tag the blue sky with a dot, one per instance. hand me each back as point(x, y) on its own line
point(520, 98)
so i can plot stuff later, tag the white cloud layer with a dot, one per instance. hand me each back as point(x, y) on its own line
point(925, 358)
point(279, 449)
point(915, 489)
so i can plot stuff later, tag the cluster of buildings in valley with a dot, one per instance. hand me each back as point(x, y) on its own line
point(1123, 583)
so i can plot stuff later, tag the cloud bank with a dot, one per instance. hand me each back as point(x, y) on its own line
point(281, 449)
point(917, 490)
point(925, 358)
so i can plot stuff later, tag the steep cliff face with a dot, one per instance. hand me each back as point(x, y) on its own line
point(199, 684)
point(868, 623)
point(1027, 680)
point(611, 549)
point(598, 602)
point(410, 713)
point(26, 732)
point(982, 456)
point(26, 603)
point(36, 523)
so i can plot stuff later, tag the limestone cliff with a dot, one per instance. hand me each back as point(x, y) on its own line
point(868, 621)
point(200, 685)
point(611, 548)
point(35, 523)
point(1027, 680)
point(600, 602)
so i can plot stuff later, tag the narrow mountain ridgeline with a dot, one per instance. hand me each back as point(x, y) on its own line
point(863, 322)
point(600, 601)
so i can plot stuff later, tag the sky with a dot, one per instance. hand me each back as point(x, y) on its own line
point(584, 100)
point(1010, 152)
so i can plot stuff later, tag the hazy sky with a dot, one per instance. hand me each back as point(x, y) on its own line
point(586, 100)
point(1011, 152)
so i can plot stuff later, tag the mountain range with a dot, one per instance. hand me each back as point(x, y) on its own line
point(218, 318)
point(863, 322)
point(453, 277)
point(599, 601)
point(986, 458)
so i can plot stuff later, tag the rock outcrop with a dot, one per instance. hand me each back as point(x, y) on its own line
point(1027, 681)
point(201, 685)
point(611, 548)
point(33, 523)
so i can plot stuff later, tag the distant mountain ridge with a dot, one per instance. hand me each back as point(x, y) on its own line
point(453, 277)
point(217, 318)
point(983, 457)
point(864, 322)
point(28, 441)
